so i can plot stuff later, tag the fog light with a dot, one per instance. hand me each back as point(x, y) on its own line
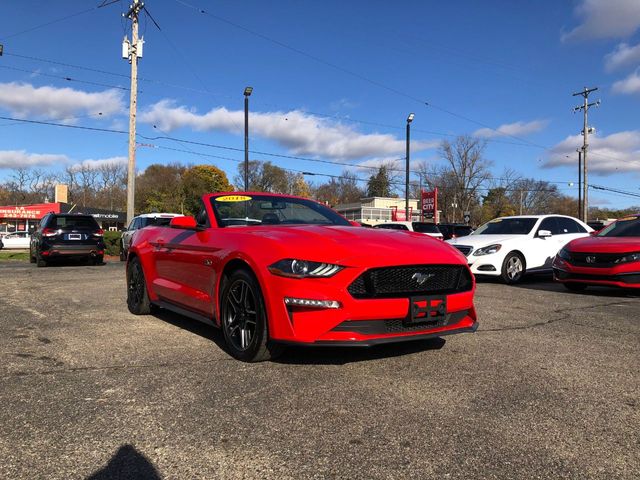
point(309, 303)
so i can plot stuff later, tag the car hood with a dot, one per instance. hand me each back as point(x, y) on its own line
point(357, 244)
point(605, 245)
point(478, 241)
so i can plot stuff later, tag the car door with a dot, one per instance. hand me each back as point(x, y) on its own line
point(185, 261)
point(545, 248)
point(569, 230)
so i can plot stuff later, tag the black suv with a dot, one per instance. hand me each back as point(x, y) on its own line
point(454, 230)
point(65, 235)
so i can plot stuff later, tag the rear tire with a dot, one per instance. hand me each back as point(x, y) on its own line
point(40, 262)
point(137, 295)
point(576, 287)
point(99, 260)
point(243, 319)
point(513, 268)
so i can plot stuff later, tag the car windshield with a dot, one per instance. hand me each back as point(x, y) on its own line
point(241, 210)
point(625, 227)
point(507, 226)
point(425, 227)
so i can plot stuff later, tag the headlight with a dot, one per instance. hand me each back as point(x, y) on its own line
point(564, 254)
point(294, 268)
point(630, 257)
point(488, 250)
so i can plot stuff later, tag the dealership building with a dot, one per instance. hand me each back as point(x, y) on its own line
point(19, 218)
point(374, 210)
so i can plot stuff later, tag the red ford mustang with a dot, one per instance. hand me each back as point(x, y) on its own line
point(273, 269)
point(610, 257)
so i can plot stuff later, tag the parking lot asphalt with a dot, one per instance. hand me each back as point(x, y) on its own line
point(548, 387)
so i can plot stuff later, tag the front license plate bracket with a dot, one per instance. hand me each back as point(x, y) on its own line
point(430, 309)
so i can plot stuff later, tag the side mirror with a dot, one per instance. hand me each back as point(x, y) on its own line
point(185, 223)
point(544, 234)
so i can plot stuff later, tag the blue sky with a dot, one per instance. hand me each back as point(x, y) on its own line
point(332, 80)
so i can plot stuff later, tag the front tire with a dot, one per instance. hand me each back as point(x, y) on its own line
point(513, 268)
point(244, 319)
point(137, 295)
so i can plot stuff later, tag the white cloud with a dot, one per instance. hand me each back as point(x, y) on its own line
point(20, 158)
point(605, 19)
point(512, 129)
point(25, 100)
point(615, 153)
point(628, 86)
point(301, 133)
point(623, 55)
point(95, 164)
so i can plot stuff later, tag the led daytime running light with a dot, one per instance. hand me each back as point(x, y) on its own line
point(310, 303)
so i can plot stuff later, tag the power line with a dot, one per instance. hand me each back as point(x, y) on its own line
point(225, 147)
point(68, 79)
point(57, 20)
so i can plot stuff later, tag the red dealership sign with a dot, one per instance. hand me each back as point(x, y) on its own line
point(429, 203)
point(34, 212)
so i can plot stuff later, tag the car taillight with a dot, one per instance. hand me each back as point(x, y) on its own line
point(49, 232)
point(98, 233)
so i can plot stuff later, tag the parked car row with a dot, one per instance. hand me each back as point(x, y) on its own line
point(15, 240)
point(444, 231)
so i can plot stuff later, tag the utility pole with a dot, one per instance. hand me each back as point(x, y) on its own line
point(520, 201)
point(132, 50)
point(406, 185)
point(579, 150)
point(585, 145)
point(247, 94)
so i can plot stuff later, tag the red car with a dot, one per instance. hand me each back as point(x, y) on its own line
point(271, 270)
point(610, 257)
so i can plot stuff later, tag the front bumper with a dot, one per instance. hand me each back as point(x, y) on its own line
point(623, 276)
point(358, 321)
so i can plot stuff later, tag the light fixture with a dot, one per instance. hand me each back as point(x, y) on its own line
point(410, 117)
point(247, 91)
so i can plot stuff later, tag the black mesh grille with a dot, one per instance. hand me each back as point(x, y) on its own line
point(465, 249)
point(406, 281)
point(596, 260)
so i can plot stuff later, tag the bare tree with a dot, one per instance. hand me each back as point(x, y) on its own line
point(467, 171)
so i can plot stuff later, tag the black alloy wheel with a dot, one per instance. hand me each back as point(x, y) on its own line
point(244, 319)
point(137, 295)
point(513, 268)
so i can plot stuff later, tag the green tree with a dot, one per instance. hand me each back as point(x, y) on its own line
point(379, 184)
point(201, 179)
point(159, 189)
point(496, 203)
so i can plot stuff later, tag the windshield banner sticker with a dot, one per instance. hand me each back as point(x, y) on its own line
point(233, 198)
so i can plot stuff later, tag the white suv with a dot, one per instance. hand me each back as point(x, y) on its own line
point(139, 222)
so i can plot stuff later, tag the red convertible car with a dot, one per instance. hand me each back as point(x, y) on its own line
point(610, 257)
point(271, 270)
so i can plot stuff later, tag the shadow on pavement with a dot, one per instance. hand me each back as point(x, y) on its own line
point(295, 355)
point(127, 463)
point(298, 355)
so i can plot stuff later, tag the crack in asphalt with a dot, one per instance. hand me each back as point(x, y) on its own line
point(113, 368)
point(566, 316)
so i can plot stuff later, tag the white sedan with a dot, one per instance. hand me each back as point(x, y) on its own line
point(426, 228)
point(16, 240)
point(509, 247)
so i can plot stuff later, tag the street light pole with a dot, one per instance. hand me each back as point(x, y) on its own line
point(406, 186)
point(247, 94)
point(579, 150)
